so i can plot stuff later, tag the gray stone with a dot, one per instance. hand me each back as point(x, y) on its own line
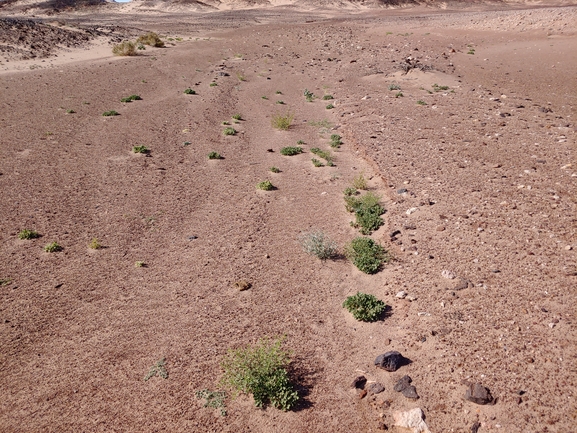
point(376, 388)
point(478, 394)
point(359, 382)
point(390, 361)
point(404, 386)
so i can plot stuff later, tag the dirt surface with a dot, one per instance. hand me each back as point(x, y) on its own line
point(478, 180)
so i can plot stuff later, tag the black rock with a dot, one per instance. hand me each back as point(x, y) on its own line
point(475, 427)
point(359, 382)
point(477, 393)
point(390, 361)
point(404, 386)
point(401, 190)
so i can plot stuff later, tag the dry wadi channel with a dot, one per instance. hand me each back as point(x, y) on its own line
point(461, 120)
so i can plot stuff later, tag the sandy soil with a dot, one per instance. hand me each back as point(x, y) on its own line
point(487, 168)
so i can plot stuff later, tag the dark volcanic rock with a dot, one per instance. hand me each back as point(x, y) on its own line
point(404, 386)
point(477, 393)
point(359, 382)
point(376, 388)
point(391, 361)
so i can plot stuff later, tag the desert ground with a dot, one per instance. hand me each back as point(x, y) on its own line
point(474, 163)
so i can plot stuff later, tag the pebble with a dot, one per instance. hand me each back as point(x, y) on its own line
point(478, 394)
point(404, 386)
point(411, 298)
point(401, 295)
point(568, 247)
point(390, 361)
point(376, 388)
point(401, 191)
point(448, 274)
point(359, 382)
point(413, 420)
point(412, 210)
point(440, 228)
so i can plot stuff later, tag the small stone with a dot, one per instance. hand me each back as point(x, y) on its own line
point(413, 419)
point(242, 285)
point(411, 298)
point(363, 394)
point(403, 383)
point(401, 191)
point(401, 295)
point(376, 388)
point(440, 228)
point(359, 382)
point(448, 275)
point(478, 394)
point(475, 427)
point(412, 210)
point(390, 361)
point(568, 248)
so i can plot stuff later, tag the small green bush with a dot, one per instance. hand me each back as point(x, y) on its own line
point(336, 141)
point(110, 113)
point(366, 254)
point(213, 399)
point(125, 48)
point(350, 192)
point(328, 97)
point(158, 369)
point(438, 88)
point(330, 107)
point(70, 111)
point(139, 264)
point(260, 370)
point(300, 142)
point(140, 149)
point(399, 95)
point(316, 243)
point(280, 102)
point(237, 116)
point(420, 102)
point(131, 98)
point(95, 244)
point(264, 97)
point(282, 121)
point(278, 92)
point(291, 151)
point(190, 91)
point(326, 155)
point(309, 96)
point(52, 247)
point(275, 170)
point(213, 84)
point(28, 234)
point(214, 155)
point(265, 185)
point(150, 39)
point(363, 307)
point(394, 86)
point(367, 211)
point(229, 131)
point(316, 162)
point(359, 182)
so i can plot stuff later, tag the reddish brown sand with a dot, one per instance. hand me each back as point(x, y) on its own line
point(489, 167)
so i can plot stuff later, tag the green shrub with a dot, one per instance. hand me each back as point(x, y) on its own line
point(110, 113)
point(367, 211)
point(70, 111)
point(150, 39)
point(316, 243)
point(28, 234)
point(300, 142)
point(291, 151)
point(438, 88)
point(363, 307)
point(421, 102)
point(95, 244)
point(282, 121)
point(366, 254)
point(278, 92)
point(139, 264)
point(52, 247)
point(264, 97)
point(125, 48)
point(336, 141)
point(213, 399)
point(214, 155)
point(326, 155)
point(265, 185)
point(260, 370)
point(316, 162)
point(280, 102)
point(399, 95)
point(330, 107)
point(140, 149)
point(275, 170)
point(190, 91)
point(309, 96)
point(394, 86)
point(158, 369)
point(131, 98)
point(350, 192)
point(213, 84)
point(328, 97)
point(229, 131)
point(237, 116)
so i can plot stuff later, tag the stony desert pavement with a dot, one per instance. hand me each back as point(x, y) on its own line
point(474, 163)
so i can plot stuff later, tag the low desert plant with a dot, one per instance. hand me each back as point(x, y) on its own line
point(213, 399)
point(28, 234)
point(110, 113)
point(95, 244)
point(52, 247)
point(438, 88)
point(300, 142)
point(291, 150)
point(350, 191)
point(214, 155)
point(139, 264)
point(363, 307)
point(158, 369)
point(309, 96)
point(280, 102)
point(328, 97)
point(330, 107)
point(316, 162)
point(229, 131)
point(264, 97)
point(131, 98)
point(237, 116)
point(360, 182)
point(265, 185)
point(125, 48)
point(190, 91)
point(240, 76)
point(399, 95)
point(260, 370)
point(316, 243)
point(471, 51)
point(213, 84)
point(336, 141)
point(394, 86)
point(140, 149)
point(278, 92)
point(367, 211)
point(325, 154)
point(421, 102)
point(275, 170)
point(5, 281)
point(366, 254)
point(70, 111)
point(150, 39)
